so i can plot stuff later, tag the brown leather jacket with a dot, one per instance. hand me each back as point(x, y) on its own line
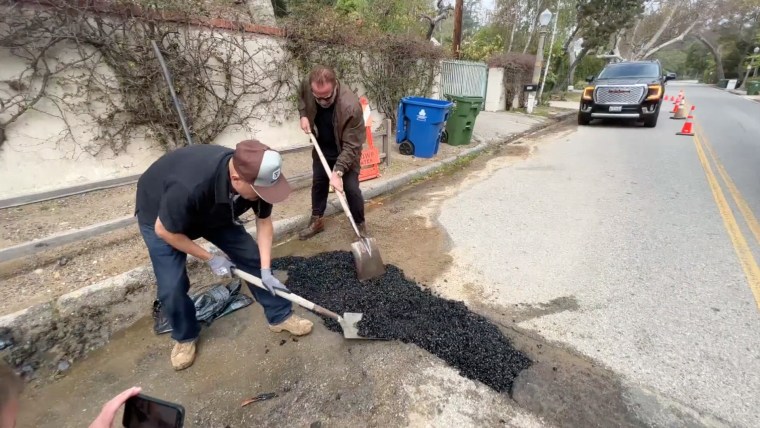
point(348, 122)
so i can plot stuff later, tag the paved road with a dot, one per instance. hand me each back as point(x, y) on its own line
point(641, 245)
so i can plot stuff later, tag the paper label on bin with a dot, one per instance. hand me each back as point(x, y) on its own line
point(422, 116)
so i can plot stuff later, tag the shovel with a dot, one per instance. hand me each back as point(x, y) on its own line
point(348, 322)
point(369, 264)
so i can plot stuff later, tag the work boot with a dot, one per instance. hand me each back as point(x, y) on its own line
point(183, 355)
point(363, 229)
point(316, 225)
point(295, 325)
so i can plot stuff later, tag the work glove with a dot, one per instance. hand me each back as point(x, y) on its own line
point(220, 265)
point(272, 283)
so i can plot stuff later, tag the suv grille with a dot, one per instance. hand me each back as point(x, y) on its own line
point(622, 94)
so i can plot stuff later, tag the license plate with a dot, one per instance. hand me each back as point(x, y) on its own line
point(616, 108)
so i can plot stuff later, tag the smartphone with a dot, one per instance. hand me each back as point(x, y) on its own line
point(142, 411)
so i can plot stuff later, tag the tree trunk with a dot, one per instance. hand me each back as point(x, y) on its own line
point(512, 35)
point(716, 55)
point(574, 65)
point(533, 26)
point(530, 39)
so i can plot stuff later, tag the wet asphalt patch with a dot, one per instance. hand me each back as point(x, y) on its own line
point(396, 308)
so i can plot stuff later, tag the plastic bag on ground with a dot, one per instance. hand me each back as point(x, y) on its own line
point(210, 305)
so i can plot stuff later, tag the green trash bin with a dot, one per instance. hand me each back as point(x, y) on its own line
point(753, 87)
point(461, 120)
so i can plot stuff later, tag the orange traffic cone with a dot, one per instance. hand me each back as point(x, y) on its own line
point(687, 127)
point(681, 113)
point(676, 105)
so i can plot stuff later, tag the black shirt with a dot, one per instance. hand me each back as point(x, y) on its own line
point(326, 132)
point(190, 190)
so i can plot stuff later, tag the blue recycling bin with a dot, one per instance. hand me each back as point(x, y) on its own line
point(420, 124)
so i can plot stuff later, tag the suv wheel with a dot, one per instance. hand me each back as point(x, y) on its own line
point(651, 122)
point(584, 119)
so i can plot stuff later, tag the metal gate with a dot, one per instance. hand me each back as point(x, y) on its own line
point(464, 78)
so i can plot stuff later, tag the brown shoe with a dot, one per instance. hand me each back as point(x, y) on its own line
point(183, 355)
point(295, 325)
point(316, 225)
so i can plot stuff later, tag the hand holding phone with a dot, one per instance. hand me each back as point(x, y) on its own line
point(141, 411)
point(108, 413)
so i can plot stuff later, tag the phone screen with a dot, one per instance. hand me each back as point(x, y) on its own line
point(145, 412)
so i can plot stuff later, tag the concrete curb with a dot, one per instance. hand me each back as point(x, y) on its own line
point(50, 335)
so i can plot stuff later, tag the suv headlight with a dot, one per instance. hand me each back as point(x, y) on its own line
point(588, 93)
point(655, 92)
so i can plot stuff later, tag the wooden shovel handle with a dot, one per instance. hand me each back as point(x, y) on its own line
point(288, 296)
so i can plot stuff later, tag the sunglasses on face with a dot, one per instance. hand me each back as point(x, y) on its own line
point(327, 98)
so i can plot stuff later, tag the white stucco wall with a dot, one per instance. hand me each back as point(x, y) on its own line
point(38, 156)
point(436, 91)
point(495, 95)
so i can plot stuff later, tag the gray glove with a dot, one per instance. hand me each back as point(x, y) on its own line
point(220, 265)
point(272, 283)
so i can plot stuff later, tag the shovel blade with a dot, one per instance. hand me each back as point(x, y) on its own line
point(350, 325)
point(369, 263)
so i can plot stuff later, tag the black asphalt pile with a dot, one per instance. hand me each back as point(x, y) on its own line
point(399, 309)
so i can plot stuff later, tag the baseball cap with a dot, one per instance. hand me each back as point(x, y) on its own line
point(261, 166)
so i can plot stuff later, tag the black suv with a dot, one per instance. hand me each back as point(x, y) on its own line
point(625, 90)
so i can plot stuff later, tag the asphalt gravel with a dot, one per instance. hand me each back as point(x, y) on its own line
point(397, 308)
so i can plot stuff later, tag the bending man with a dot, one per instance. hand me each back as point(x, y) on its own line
point(199, 192)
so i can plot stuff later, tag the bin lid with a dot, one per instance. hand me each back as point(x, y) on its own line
point(467, 98)
point(426, 102)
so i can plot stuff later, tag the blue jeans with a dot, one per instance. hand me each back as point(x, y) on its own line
point(173, 283)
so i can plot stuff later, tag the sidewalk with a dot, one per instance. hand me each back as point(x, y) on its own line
point(113, 284)
point(742, 93)
point(568, 105)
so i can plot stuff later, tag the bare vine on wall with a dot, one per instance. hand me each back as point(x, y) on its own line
point(388, 66)
point(98, 72)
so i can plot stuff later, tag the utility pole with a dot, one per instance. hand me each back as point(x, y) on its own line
point(457, 39)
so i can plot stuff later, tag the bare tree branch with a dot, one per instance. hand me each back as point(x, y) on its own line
point(656, 36)
point(443, 13)
point(676, 39)
point(716, 55)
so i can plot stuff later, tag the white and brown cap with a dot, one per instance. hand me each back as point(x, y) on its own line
point(261, 166)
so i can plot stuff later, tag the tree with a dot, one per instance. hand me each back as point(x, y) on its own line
point(662, 24)
point(470, 18)
point(518, 21)
point(717, 58)
point(696, 62)
point(442, 12)
point(598, 26)
point(665, 23)
point(485, 43)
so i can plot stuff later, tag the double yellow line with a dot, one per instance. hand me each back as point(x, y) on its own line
point(708, 158)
